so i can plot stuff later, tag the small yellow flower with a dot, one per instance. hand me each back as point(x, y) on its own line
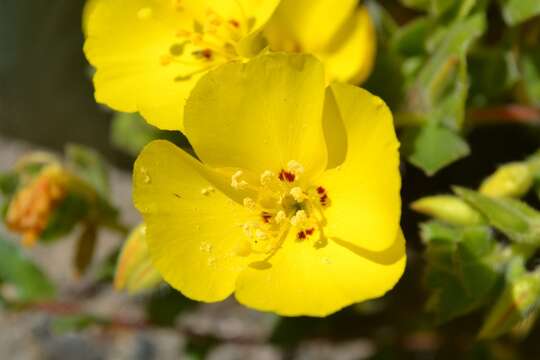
point(341, 35)
point(149, 54)
point(303, 216)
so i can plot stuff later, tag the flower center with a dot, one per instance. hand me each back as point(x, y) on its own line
point(284, 203)
point(205, 43)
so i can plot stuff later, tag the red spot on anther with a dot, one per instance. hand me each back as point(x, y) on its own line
point(301, 235)
point(206, 53)
point(310, 231)
point(286, 176)
point(266, 217)
point(234, 23)
point(321, 190)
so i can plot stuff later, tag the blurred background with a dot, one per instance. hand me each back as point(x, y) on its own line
point(46, 102)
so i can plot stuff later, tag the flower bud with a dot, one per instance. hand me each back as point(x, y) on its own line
point(135, 272)
point(510, 180)
point(29, 211)
point(448, 208)
point(519, 300)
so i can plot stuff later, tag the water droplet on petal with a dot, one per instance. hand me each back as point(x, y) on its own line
point(206, 247)
point(326, 261)
point(145, 176)
point(211, 261)
point(144, 13)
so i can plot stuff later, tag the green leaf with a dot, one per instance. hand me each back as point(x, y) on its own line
point(18, 270)
point(530, 66)
point(70, 211)
point(493, 71)
point(90, 166)
point(432, 147)
point(519, 300)
point(514, 218)
point(518, 11)
point(8, 183)
point(463, 269)
point(130, 132)
point(411, 39)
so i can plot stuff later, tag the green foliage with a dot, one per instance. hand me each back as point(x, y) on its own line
point(130, 133)
point(514, 218)
point(463, 268)
point(19, 271)
point(519, 300)
point(518, 11)
point(90, 167)
point(422, 147)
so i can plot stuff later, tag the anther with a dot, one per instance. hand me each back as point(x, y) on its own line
point(299, 219)
point(280, 217)
point(267, 177)
point(295, 167)
point(239, 185)
point(298, 194)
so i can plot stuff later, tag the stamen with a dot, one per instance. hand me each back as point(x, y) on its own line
point(299, 219)
point(267, 177)
point(280, 217)
point(298, 194)
point(238, 185)
point(295, 167)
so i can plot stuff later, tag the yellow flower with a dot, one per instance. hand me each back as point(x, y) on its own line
point(341, 35)
point(294, 205)
point(149, 54)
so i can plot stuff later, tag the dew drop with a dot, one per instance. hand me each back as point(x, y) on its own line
point(144, 13)
point(211, 261)
point(146, 177)
point(326, 261)
point(206, 247)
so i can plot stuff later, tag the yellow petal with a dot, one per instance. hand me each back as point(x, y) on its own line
point(193, 229)
point(350, 58)
point(310, 24)
point(364, 189)
point(125, 43)
point(260, 115)
point(255, 13)
point(301, 279)
point(131, 43)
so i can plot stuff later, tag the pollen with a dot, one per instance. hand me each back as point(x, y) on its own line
point(236, 183)
point(267, 177)
point(295, 167)
point(299, 219)
point(298, 194)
